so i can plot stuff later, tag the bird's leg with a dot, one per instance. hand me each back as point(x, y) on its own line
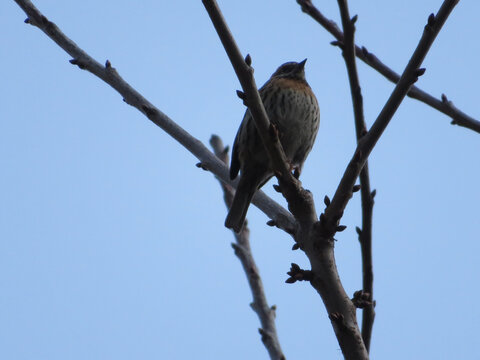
point(296, 172)
point(294, 169)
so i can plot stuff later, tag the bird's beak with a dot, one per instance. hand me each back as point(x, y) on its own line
point(301, 64)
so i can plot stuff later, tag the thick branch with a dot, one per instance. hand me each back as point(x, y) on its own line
point(108, 74)
point(443, 105)
point(367, 198)
point(265, 313)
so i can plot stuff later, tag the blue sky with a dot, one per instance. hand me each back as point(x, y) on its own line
point(112, 243)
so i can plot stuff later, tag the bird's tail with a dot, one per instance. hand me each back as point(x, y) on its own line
point(241, 202)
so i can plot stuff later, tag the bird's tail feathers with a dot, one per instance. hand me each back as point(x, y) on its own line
point(241, 202)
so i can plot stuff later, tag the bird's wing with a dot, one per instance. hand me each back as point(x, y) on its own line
point(235, 163)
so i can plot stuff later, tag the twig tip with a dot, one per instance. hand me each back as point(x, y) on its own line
point(78, 62)
point(241, 94)
point(202, 166)
point(420, 72)
point(361, 299)
point(336, 43)
point(298, 274)
point(326, 200)
point(248, 60)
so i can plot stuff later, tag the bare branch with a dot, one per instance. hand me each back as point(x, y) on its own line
point(242, 249)
point(108, 74)
point(367, 199)
point(316, 238)
point(317, 241)
point(366, 144)
point(458, 117)
point(319, 249)
point(342, 320)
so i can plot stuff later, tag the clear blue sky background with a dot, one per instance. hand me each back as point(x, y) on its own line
point(112, 243)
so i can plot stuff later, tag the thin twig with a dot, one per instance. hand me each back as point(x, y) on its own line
point(366, 144)
point(108, 74)
point(443, 105)
point(265, 313)
point(365, 235)
point(320, 251)
point(329, 220)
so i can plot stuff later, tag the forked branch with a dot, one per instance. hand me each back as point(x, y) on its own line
point(324, 276)
point(366, 144)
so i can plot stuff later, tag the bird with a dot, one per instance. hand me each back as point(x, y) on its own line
point(293, 109)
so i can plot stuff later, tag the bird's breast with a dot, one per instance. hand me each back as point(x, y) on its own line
point(294, 109)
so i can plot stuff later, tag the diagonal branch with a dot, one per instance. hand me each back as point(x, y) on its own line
point(320, 250)
point(242, 249)
point(316, 238)
point(443, 105)
point(328, 224)
point(366, 144)
point(365, 234)
point(299, 200)
point(108, 74)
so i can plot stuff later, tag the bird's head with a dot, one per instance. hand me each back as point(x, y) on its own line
point(292, 70)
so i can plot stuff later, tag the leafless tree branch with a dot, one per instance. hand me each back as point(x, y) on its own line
point(108, 74)
point(334, 211)
point(365, 234)
point(443, 105)
point(328, 224)
point(366, 144)
point(242, 249)
point(319, 249)
point(314, 237)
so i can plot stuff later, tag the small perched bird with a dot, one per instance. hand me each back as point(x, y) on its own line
point(292, 107)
